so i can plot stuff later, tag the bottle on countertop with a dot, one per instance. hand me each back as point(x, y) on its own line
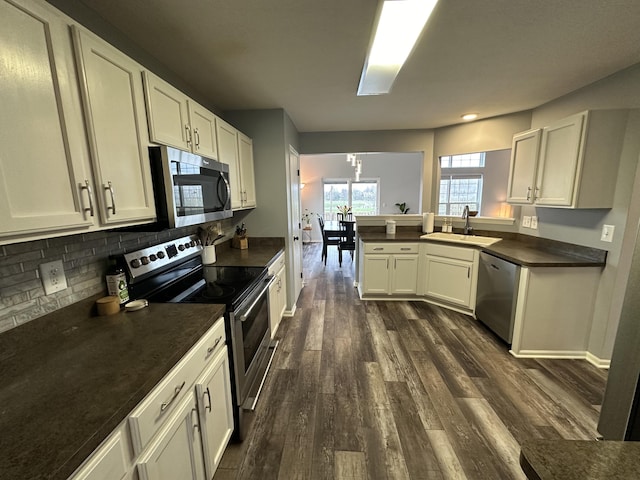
point(117, 283)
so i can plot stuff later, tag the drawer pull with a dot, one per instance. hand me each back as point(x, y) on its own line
point(212, 349)
point(405, 248)
point(176, 392)
point(377, 249)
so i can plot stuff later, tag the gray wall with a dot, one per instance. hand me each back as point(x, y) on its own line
point(400, 176)
point(272, 132)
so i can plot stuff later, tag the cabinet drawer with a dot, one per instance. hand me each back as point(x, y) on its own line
point(447, 251)
point(277, 265)
point(150, 414)
point(390, 248)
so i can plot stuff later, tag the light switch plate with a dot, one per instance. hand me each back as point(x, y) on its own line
point(607, 233)
point(534, 222)
point(52, 276)
point(526, 221)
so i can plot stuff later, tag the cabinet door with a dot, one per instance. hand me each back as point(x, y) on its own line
point(168, 113)
point(522, 171)
point(203, 128)
point(216, 410)
point(42, 143)
point(405, 275)
point(109, 462)
point(176, 452)
point(274, 306)
point(376, 274)
point(116, 125)
point(282, 292)
point(559, 159)
point(449, 280)
point(228, 153)
point(247, 176)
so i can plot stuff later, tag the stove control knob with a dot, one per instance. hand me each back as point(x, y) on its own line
point(144, 260)
point(160, 254)
point(192, 243)
point(135, 263)
point(153, 257)
point(181, 247)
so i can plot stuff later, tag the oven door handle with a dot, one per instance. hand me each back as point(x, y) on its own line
point(245, 315)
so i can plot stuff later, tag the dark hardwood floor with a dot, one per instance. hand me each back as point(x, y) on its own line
point(402, 390)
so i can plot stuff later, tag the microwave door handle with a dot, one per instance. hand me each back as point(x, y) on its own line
point(227, 190)
point(245, 315)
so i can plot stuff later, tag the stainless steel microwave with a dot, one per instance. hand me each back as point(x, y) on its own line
point(189, 189)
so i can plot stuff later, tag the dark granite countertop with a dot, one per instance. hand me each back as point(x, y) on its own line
point(580, 460)
point(519, 249)
point(68, 379)
point(261, 252)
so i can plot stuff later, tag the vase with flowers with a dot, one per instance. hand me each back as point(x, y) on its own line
point(307, 216)
point(344, 209)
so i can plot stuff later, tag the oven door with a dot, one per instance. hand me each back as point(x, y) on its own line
point(251, 336)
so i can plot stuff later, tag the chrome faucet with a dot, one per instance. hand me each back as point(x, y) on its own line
point(468, 229)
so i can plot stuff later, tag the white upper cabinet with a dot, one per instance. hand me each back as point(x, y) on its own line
point(576, 165)
point(236, 150)
point(43, 158)
point(247, 175)
point(115, 117)
point(228, 150)
point(178, 121)
point(524, 161)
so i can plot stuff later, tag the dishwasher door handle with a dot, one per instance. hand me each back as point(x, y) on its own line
point(494, 266)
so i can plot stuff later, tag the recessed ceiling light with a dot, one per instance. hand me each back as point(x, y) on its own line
point(399, 26)
point(469, 116)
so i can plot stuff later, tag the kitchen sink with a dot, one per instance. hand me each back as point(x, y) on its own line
point(459, 238)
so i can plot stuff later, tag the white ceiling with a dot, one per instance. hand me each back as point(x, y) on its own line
point(487, 56)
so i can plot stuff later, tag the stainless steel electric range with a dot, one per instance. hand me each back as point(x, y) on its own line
point(173, 272)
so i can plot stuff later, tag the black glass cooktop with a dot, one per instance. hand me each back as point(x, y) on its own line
point(224, 284)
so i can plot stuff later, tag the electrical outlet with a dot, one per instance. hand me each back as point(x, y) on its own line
point(52, 276)
point(526, 221)
point(534, 222)
point(607, 233)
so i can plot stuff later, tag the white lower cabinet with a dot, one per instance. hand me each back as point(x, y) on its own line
point(389, 269)
point(449, 274)
point(215, 410)
point(176, 451)
point(110, 461)
point(277, 293)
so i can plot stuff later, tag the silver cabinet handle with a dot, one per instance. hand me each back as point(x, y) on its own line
point(378, 249)
point(212, 349)
point(87, 187)
point(208, 407)
point(176, 392)
point(536, 193)
point(196, 425)
point(187, 130)
point(387, 264)
point(468, 272)
point(196, 136)
point(109, 187)
point(528, 193)
point(404, 249)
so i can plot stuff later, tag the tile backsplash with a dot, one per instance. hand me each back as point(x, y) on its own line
point(85, 259)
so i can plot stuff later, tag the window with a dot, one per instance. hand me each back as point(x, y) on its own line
point(362, 196)
point(461, 179)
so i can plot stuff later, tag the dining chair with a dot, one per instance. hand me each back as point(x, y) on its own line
point(326, 241)
point(347, 239)
point(343, 216)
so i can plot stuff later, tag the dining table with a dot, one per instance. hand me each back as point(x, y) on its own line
point(332, 227)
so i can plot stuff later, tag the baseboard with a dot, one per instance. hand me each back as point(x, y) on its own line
point(289, 313)
point(589, 357)
point(598, 362)
point(549, 354)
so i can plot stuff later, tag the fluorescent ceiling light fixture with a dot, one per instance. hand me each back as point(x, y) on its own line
point(399, 26)
point(469, 116)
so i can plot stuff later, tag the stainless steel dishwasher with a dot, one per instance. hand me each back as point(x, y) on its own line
point(497, 293)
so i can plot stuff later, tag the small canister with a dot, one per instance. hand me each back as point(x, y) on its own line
point(117, 284)
point(391, 227)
